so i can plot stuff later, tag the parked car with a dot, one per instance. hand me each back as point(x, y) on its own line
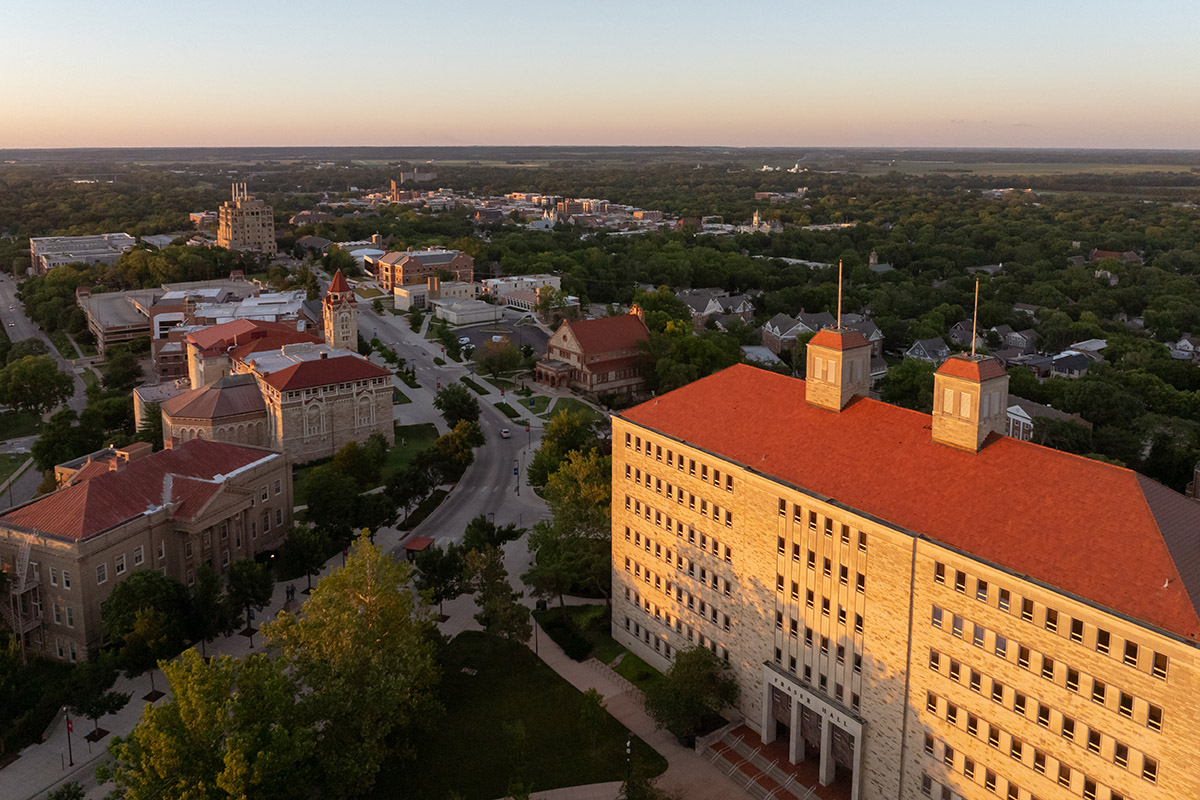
point(505, 434)
point(464, 340)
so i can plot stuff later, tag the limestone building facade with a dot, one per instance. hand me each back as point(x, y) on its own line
point(123, 510)
point(416, 266)
point(245, 223)
point(902, 630)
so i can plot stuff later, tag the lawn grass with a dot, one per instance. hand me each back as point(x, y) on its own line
point(475, 387)
point(410, 440)
point(508, 410)
point(438, 361)
point(19, 423)
point(571, 404)
point(540, 404)
point(509, 717)
point(89, 379)
point(63, 345)
point(10, 463)
point(638, 672)
point(367, 293)
point(422, 511)
point(415, 439)
point(501, 383)
point(399, 398)
point(592, 622)
point(409, 380)
point(86, 344)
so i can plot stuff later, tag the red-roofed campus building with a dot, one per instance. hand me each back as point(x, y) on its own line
point(268, 384)
point(915, 604)
point(595, 356)
point(122, 510)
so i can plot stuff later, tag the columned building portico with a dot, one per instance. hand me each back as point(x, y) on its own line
point(812, 720)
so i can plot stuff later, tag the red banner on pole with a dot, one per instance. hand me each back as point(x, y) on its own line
point(70, 726)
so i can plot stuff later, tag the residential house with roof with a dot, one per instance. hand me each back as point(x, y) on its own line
point(1187, 348)
point(415, 266)
point(781, 331)
point(1070, 364)
point(1022, 413)
point(121, 510)
point(961, 334)
point(935, 351)
point(595, 356)
point(913, 605)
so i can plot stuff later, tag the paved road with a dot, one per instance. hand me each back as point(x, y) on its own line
point(489, 486)
point(18, 327)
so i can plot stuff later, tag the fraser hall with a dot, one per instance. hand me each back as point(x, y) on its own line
point(913, 605)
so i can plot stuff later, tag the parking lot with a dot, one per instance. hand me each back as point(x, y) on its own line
point(519, 335)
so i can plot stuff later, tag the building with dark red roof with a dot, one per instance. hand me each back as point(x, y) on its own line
point(121, 510)
point(596, 356)
point(902, 595)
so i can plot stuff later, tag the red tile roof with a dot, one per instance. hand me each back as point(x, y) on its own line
point(839, 340)
point(324, 371)
point(273, 341)
point(99, 500)
point(227, 397)
point(1089, 528)
point(979, 369)
point(607, 334)
point(237, 330)
point(338, 284)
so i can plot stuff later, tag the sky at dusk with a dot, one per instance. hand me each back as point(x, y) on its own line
point(1052, 73)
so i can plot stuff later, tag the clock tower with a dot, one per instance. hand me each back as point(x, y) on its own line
point(340, 312)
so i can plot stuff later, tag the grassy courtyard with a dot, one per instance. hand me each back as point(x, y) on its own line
point(509, 717)
point(10, 463)
point(571, 404)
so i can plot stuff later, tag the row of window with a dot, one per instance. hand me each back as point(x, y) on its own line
point(119, 566)
point(1131, 653)
point(694, 502)
point(1067, 676)
point(655, 451)
point(1031, 756)
point(693, 536)
point(840, 692)
point(860, 580)
point(801, 517)
point(694, 635)
point(1091, 738)
point(706, 543)
point(693, 602)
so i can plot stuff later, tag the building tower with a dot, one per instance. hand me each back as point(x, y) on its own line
point(837, 363)
point(340, 313)
point(970, 400)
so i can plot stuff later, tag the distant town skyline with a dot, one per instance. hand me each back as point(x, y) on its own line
point(866, 73)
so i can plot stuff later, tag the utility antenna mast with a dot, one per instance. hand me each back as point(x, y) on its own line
point(839, 308)
point(975, 319)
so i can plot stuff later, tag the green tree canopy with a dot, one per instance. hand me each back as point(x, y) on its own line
point(456, 403)
point(566, 431)
point(143, 590)
point(230, 729)
point(363, 652)
point(697, 685)
point(34, 383)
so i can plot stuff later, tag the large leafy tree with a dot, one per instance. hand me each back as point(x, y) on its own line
point(230, 729)
point(456, 403)
point(250, 585)
point(909, 384)
point(500, 610)
point(65, 437)
point(34, 383)
point(364, 654)
point(697, 685)
point(306, 549)
point(121, 369)
point(567, 431)
point(213, 612)
point(481, 533)
point(90, 689)
point(440, 573)
point(143, 590)
point(572, 548)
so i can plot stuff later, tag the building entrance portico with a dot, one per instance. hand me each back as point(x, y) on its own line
point(817, 729)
